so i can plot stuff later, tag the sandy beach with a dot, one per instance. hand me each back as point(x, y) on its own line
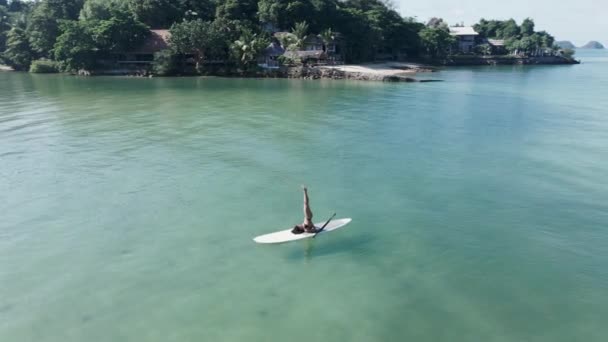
point(382, 69)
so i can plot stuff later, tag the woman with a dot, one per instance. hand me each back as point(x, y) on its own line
point(307, 226)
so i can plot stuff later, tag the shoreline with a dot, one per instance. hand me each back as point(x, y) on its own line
point(375, 72)
point(407, 71)
point(380, 72)
point(472, 60)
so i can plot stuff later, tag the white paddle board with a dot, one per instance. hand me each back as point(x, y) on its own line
point(287, 236)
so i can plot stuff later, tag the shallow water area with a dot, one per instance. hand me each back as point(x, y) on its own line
point(479, 206)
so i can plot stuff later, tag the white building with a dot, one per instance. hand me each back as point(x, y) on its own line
point(466, 36)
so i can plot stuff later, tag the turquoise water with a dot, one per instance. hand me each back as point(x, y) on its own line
point(479, 206)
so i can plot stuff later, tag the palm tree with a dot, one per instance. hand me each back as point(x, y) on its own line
point(288, 41)
point(484, 49)
point(248, 47)
point(327, 36)
point(300, 30)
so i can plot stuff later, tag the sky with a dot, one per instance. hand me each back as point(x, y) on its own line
point(578, 21)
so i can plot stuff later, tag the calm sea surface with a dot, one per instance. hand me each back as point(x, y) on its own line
point(479, 206)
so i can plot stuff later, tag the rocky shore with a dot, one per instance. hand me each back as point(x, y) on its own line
point(380, 72)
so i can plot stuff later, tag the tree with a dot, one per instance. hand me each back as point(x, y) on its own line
point(106, 29)
point(63, 9)
point(286, 13)
point(157, 13)
point(288, 41)
point(200, 9)
point(237, 10)
point(19, 13)
point(394, 34)
point(366, 5)
point(488, 28)
point(270, 11)
point(218, 29)
point(527, 45)
point(300, 30)
point(361, 38)
point(298, 11)
point(327, 36)
point(483, 49)
point(248, 47)
point(18, 52)
point(42, 30)
point(437, 23)
point(119, 33)
point(208, 40)
point(508, 29)
point(44, 66)
point(103, 9)
point(16, 6)
point(75, 48)
point(405, 36)
point(4, 27)
point(166, 63)
point(537, 43)
point(547, 40)
point(43, 26)
point(324, 14)
point(436, 41)
point(527, 27)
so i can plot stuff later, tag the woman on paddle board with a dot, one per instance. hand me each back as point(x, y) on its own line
point(307, 226)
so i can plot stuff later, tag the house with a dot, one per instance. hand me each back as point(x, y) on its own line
point(466, 38)
point(156, 41)
point(498, 46)
point(330, 48)
point(270, 58)
point(307, 57)
point(314, 49)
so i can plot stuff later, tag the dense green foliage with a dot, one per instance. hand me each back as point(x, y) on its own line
point(75, 47)
point(43, 26)
point(83, 42)
point(520, 39)
point(81, 33)
point(246, 49)
point(436, 40)
point(166, 63)
point(207, 40)
point(18, 53)
point(4, 26)
point(44, 66)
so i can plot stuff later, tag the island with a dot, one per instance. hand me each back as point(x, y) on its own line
point(565, 44)
point(593, 45)
point(364, 39)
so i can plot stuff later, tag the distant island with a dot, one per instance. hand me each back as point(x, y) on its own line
point(253, 38)
point(565, 44)
point(593, 45)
